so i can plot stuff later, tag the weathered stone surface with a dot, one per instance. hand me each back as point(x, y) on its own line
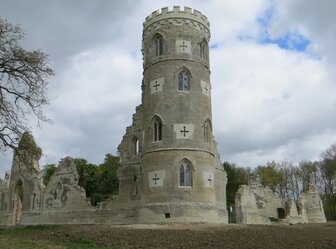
point(248, 207)
point(170, 168)
point(24, 186)
point(311, 205)
point(292, 213)
point(186, 136)
point(63, 192)
point(255, 204)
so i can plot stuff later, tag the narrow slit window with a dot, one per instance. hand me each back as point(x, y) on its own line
point(157, 129)
point(182, 175)
point(159, 46)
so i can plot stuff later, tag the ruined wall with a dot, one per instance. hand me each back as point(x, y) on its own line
point(311, 204)
point(5, 200)
point(62, 195)
point(24, 200)
point(255, 204)
point(248, 205)
point(23, 197)
point(294, 215)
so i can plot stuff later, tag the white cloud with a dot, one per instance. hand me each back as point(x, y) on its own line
point(314, 19)
point(268, 103)
point(267, 98)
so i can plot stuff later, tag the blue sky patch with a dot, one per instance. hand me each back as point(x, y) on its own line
point(290, 41)
point(213, 46)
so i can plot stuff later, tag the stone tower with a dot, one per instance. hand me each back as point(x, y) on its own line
point(170, 169)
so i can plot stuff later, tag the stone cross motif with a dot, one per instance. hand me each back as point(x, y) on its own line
point(209, 180)
point(156, 85)
point(184, 131)
point(183, 46)
point(156, 178)
point(206, 89)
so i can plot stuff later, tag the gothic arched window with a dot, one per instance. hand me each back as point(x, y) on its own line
point(185, 174)
point(158, 45)
point(157, 129)
point(183, 81)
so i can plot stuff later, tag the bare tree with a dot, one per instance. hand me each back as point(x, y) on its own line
point(308, 173)
point(328, 177)
point(328, 170)
point(23, 82)
point(285, 187)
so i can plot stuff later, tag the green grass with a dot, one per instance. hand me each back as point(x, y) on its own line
point(274, 220)
point(20, 237)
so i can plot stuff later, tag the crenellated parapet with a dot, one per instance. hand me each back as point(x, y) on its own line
point(177, 17)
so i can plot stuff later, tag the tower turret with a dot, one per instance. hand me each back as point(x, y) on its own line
point(169, 159)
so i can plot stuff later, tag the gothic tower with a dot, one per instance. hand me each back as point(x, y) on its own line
point(170, 169)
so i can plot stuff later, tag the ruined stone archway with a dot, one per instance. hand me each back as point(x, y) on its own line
point(18, 202)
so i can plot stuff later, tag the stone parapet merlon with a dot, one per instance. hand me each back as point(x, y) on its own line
point(190, 15)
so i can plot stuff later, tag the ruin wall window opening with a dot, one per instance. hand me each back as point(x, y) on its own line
point(135, 145)
point(186, 177)
point(34, 200)
point(183, 81)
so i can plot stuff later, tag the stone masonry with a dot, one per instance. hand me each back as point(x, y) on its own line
point(170, 168)
point(255, 204)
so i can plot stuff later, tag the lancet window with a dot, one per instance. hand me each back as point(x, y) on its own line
point(183, 81)
point(185, 174)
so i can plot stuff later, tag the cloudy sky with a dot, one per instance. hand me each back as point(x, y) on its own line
point(273, 75)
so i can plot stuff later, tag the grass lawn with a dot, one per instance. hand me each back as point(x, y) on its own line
point(23, 237)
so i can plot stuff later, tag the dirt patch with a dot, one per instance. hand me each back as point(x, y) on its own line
point(307, 236)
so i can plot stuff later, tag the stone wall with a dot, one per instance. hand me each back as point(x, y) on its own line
point(255, 204)
point(62, 201)
point(311, 205)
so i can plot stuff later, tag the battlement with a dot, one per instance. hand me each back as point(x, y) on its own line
point(186, 13)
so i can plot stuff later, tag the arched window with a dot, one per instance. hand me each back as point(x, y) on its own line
point(207, 131)
point(158, 45)
point(183, 81)
point(57, 191)
point(157, 129)
point(185, 174)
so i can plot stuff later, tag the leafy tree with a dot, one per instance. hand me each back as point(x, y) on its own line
point(98, 181)
point(236, 176)
point(269, 175)
point(47, 172)
point(108, 176)
point(23, 82)
point(86, 172)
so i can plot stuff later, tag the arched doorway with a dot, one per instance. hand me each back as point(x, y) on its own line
point(18, 202)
